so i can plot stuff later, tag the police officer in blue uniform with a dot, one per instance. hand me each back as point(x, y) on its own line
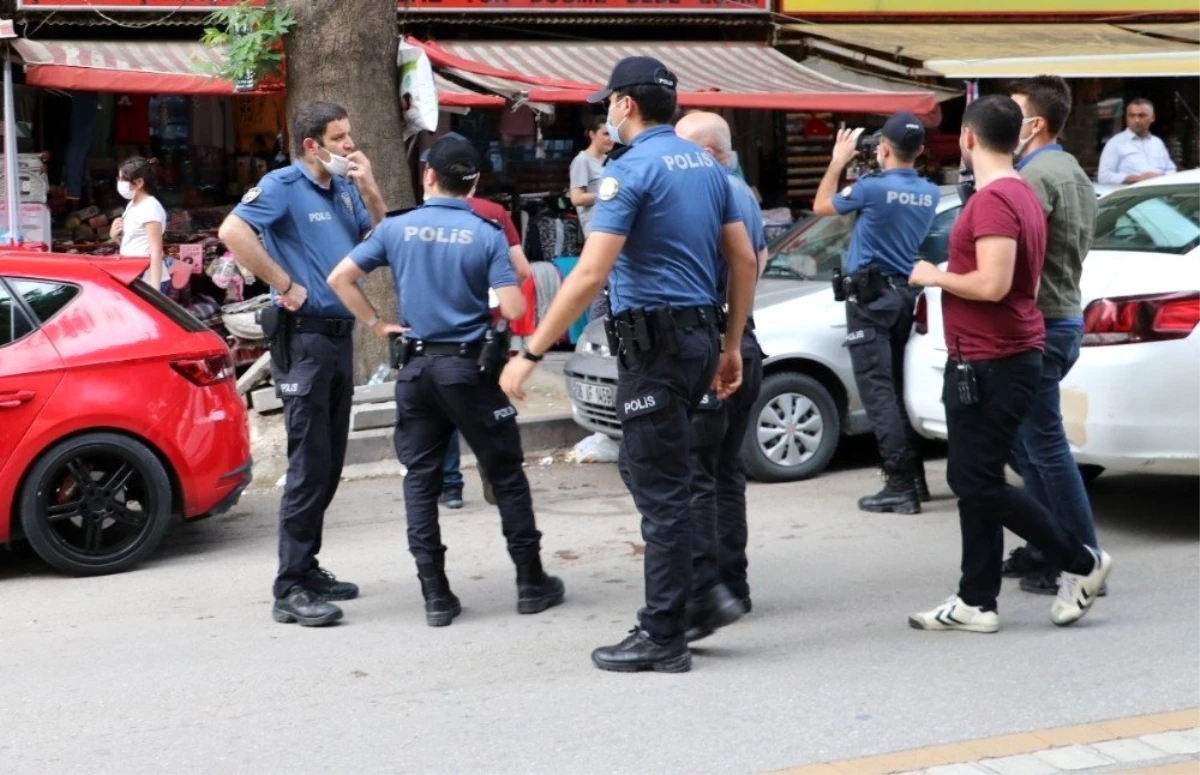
point(721, 593)
point(895, 209)
point(664, 217)
point(444, 258)
point(308, 216)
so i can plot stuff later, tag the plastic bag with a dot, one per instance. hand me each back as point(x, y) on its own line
point(418, 94)
point(596, 448)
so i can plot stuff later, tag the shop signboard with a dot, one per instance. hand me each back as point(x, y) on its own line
point(521, 6)
point(985, 8)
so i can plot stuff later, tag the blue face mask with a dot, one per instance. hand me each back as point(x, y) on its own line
point(614, 130)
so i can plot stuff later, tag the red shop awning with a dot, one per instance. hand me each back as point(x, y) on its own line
point(161, 67)
point(711, 75)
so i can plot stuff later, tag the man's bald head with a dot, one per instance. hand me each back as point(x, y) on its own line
point(709, 131)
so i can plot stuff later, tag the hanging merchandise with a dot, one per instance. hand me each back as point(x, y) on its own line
point(418, 94)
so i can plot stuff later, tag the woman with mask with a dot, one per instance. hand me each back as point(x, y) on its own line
point(140, 229)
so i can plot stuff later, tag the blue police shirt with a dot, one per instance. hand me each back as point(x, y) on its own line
point(895, 209)
point(751, 216)
point(669, 198)
point(444, 258)
point(307, 229)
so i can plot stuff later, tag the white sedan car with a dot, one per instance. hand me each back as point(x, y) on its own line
point(1130, 403)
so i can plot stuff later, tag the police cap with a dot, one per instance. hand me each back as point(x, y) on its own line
point(453, 156)
point(636, 71)
point(905, 131)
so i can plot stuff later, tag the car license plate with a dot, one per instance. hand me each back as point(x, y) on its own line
point(602, 395)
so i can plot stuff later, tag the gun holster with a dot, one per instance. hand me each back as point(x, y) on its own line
point(840, 284)
point(494, 354)
point(277, 332)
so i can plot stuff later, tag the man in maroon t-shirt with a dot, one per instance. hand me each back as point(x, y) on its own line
point(995, 334)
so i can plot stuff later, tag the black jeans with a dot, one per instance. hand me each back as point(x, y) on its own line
point(317, 392)
point(719, 481)
point(656, 396)
point(876, 335)
point(435, 395)
point(981, 441)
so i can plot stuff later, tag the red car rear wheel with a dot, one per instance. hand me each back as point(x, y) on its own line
point(95, 504)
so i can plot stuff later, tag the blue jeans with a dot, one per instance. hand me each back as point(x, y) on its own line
point(451, 474)
point(1042, 453)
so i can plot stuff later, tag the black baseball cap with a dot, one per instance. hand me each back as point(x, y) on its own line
point(636, 71)
point(453, 156)
point(905, 131)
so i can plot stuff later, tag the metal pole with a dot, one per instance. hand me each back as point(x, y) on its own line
point(12, 192)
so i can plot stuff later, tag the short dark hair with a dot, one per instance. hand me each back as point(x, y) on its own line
point(311, 121)
point(454, 185)
point(656, 103)
point(1049, 97)
point(903, 156)
point(1141, 101)
point(996, 122)
point(139, 168)
point(594, 123)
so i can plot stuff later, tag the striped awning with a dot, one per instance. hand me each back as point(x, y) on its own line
point(161, 67)
point(711, 75)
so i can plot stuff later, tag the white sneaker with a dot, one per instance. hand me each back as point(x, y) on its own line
point(1077, 593)
point(954, 614)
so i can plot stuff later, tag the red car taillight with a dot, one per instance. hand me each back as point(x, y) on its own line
point(1132, 319)
point(921, 315)
point(205, 370)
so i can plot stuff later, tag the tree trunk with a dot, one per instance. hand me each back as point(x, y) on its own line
point(344, 51)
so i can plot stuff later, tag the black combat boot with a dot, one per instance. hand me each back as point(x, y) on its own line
point(898, 496)
point(641, 652)
point(535, 590)
point(302, 605)
point(922, 485)
point(710, 611)
point(441, 606)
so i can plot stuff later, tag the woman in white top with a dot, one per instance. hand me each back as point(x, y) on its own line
point(141, 228)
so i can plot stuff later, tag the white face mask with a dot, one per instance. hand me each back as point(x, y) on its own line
point(337, 166)
point(1023, 144)
point(125, 189)
point(614, 130)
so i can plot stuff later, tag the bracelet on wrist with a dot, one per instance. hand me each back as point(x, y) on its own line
point(531, 357)
point(285, 291)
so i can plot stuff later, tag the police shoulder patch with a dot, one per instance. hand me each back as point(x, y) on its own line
point(251, 195)
point(848, 190)
point(609, 188)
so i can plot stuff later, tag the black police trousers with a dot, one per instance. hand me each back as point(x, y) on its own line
point(317, 391)
point(434, 395)
point(719, 480)
point(657, 394)
point(876, 334)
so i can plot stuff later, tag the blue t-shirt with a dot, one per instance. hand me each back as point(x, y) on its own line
point(895, 209)
point(753, 218)
point(307, 229)
point(443, 258)
point(669, 198)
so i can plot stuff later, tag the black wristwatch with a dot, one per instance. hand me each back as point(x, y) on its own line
point(531, 357)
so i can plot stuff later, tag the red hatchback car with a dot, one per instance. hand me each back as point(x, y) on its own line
point(118, 413)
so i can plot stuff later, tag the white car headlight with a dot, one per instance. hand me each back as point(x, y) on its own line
point(593, 342)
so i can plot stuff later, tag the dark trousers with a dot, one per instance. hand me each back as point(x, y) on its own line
point(719, 481)
point(1042, 453)
point(317, 392)
point(656, 395)
point(876, 335)
point(435, 395)
point(981, 438)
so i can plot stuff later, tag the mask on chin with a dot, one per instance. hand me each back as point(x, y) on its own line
point(337, 166)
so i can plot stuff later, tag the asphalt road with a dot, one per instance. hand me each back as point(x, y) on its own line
point(177, 667)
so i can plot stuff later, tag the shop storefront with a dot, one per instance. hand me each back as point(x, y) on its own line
point(1111, 51)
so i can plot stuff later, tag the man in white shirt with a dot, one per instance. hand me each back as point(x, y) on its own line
point(1135, 154)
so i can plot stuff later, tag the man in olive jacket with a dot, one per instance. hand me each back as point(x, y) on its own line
point(1042, 452)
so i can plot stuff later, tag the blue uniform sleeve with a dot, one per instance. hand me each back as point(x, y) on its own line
point(618, 199)
point(500, 271)
point(361, 214)
point(756, 228)
point(264, 205)
point(731, 212)
point(852, 198)
point(371, 253)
